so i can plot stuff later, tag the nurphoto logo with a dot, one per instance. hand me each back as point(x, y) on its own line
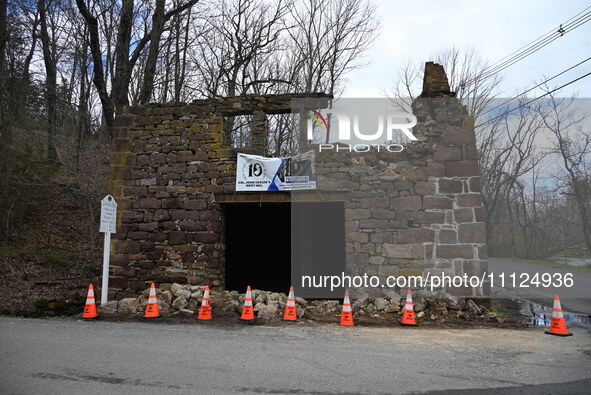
point(349, 130)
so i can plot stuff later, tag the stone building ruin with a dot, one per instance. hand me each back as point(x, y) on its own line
point(407, 214)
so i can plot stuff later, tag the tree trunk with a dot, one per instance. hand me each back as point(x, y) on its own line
point(97, 60)
point(50, 81)
point(25, 77)
point(3, 40)
point(185, 48)
point(83, 118)
point(4, 129)
point(123, 66)
point(124, 63)
point(177, 59)
point(164, 96)
point(150, 69)
point(581, 200)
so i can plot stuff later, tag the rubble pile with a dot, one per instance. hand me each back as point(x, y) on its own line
point(185, 300)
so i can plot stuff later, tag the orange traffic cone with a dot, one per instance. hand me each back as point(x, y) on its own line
point(346, 313)
point(152, 306)
point(558, 326)
point(90, 308)
point(205, 311)
point(290, 313)
point(408, 316)
point(248, 310)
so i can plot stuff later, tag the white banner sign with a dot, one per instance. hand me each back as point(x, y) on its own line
point(257, 173)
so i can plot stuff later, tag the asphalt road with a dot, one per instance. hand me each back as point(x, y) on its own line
point(576, 299)
point(81, 357)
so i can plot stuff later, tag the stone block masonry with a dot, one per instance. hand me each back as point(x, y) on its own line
point(407, 213)
point(167, 161)
point(420, 210)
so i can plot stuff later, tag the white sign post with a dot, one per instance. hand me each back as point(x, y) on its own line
point(108, 226)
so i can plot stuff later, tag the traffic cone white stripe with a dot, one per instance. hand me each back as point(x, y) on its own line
point(557, 309)
point(408, 305)
point(346, 304)
point(291, 299)
point(248, 298)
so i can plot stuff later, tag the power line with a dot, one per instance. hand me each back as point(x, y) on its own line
point(537, 39)
point(532, 100)
point(537, 45)
point(537, 86)
point(534, 46)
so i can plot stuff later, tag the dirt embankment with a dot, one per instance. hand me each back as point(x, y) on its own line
point(50, 248)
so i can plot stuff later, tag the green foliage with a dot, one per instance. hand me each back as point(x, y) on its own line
point(497, 311)
point(6, 311)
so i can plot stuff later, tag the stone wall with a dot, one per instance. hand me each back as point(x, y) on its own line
point(165, 167)
point(408, 213)
point(167, 161)
point(417, 211)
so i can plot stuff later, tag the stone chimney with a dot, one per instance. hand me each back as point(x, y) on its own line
point(435, 82)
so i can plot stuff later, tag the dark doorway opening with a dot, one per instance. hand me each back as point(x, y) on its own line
point(270, 246)
point(258, 246)
point(318, 247)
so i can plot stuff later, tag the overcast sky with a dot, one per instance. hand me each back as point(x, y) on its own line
point(496, 28)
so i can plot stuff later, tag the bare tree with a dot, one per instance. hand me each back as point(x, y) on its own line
point(328, 40)
point(150, 66)
point(242, 33)
point(507, 152)
point(99, 78)
point(124, 62)
point(234, 43)
point(572, 145)
point(50, 62)
point(3, 42)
